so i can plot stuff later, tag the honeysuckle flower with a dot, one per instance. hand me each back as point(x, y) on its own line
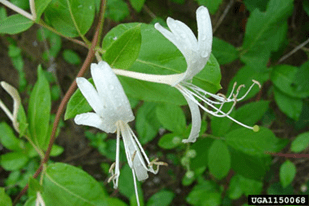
point(112, 113)
point(16, 98)
point(196, 52)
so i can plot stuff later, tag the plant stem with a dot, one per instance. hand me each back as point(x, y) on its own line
point(85, 66)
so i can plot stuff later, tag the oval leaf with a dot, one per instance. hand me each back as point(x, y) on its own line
point(287, 173)
point(219, 159)
point(67, 185)
point(300, 143)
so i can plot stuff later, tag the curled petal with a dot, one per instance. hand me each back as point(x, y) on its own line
point(204, 31)
point(111, 93)
point(94, 120)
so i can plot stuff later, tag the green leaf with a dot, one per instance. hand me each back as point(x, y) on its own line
point(219, 159)
point(277, 189)
point(245, 76)
point(251, 113)
point(3, 14)
point(70, 17)
point(8, 139)
point(265, 31)
point(34, 187)
point(249, 166)
point(117, 10)
point(123, 52)
point(56, 150)
point(250, 186)
point(223, 51)
point(77, 104)
point(147, 124)
point(40, 6)
point(206, 194)
point(282, 77)
point(39, 111)
point(23, 4)
point(287, 173)
point(5, 200)
point(300, 143)
point(290, 106)
point(171, 117)
point(212, 5)
point(169, 141)
point(234, 190)
point(253, 143)
point(15, 24)
point(137, 4)
point(162, 198)
point(71, 57)
point(13, 160)
point(68, 185)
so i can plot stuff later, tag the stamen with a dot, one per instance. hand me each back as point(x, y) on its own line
point(155, 162)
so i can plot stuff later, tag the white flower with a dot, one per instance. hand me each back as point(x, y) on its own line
point(112, 112)
point(196, 53)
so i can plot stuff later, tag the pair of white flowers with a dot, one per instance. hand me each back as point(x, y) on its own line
point(112, 111)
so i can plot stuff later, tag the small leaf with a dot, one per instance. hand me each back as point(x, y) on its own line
point(71, 57)
point(15, 24)
point(169, 141)
point(147, 124)
point(162, 198)
point(287, 173)
point(223, 51)
point(137, 4)
point(202, 152)
point(300, 143)
point(56, 150)
point(219, 159)
point(13, 160)
point(68, 185)
point(70, 17)
point(39, 111)
point(123, 52)
point(171, 117)
point(290, 106)
point(5, 200)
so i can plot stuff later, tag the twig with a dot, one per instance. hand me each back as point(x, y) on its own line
point(226, 10)
point(151, 14)
point(85, 66)
point(289, 155)
point(293, 51)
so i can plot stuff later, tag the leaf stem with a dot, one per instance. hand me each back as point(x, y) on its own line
point(84, 68)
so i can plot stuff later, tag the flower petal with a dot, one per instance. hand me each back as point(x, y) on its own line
point(94, 120)
point(90, 94)
point(204, 31)
point(196, 120)
point(111, 93)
